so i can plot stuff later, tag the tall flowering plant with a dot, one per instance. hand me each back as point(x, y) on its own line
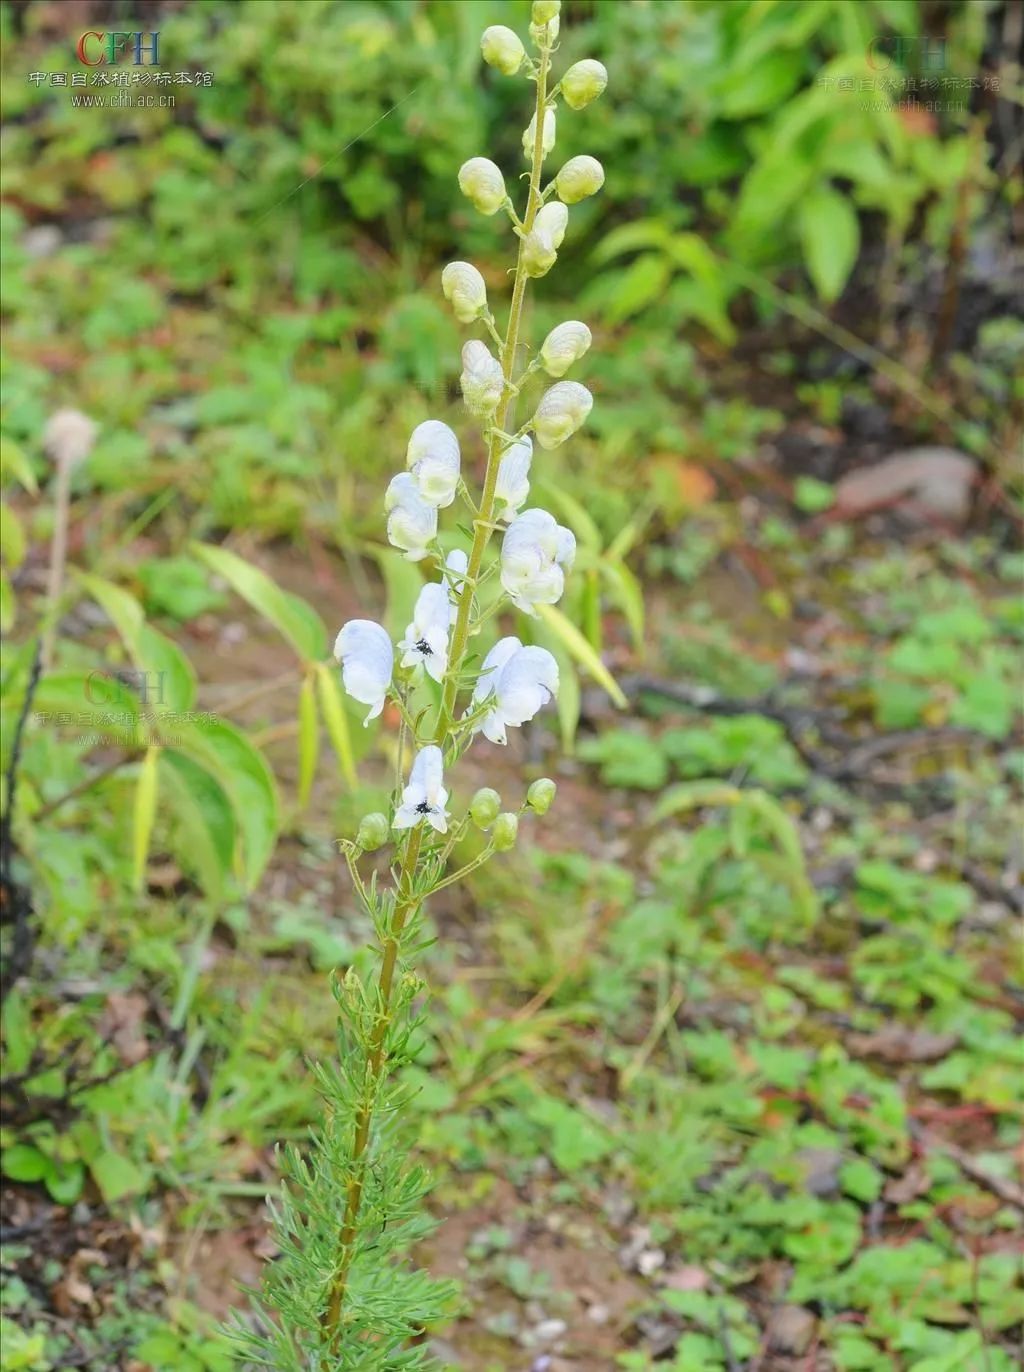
point(341, 1294)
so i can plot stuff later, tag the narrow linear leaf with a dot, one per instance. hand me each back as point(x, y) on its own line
point(581, 650)
point(336, 721)
point(309, 739)
point(144, 815)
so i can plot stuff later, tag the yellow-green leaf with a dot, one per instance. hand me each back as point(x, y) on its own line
point(144, 815)
point(309, 739)
point(337, 722)
point(581, 650)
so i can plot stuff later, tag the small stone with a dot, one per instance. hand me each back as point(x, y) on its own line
point(598, 1314)
point(651, 1260)
point(791, 1330)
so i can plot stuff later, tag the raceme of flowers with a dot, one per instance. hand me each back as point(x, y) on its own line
point(514, 680)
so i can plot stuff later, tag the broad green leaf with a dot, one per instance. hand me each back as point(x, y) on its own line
point(640, 233)
point(117, 1176)
point(580, 649)
point(336, 720)
point(170, 680)
point(12, 536)
point(205, 821)
point(247, 780)
point(92, 700)
point(293, 618)
point(309, 739)
point(143, 816)
point(830, 236)
point(22, 1162)
point(640, 284)
point(119, 605)
point(14, 462)
point(759, 86)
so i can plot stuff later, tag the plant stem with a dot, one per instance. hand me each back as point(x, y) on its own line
point(406, 899)
point(405, 903)
point(482, 525)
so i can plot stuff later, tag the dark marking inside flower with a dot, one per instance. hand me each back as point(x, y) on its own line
point(423, 808)
point(424, 647)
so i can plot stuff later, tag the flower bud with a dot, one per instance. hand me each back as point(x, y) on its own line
point(481, 181)
point(563, 346)
point(584, 82)
point(373, 832)
point(484, 807)
point(547, 137)
point(561, 411)
point(540, 795)
point(482, 379)
point(581, 176)
point(543, 10)
point(541, 244)
point(506, 828)
point(464, 287)
point(503, 49)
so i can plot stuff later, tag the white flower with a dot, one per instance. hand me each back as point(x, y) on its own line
point(425, 797)
point(536, 552)
point(502, 48)
point(426, 638)
point(564, 345)
point(518, 682)
point(367, 660)
point(465, 288)
point(583, 82)
point(541, 244)
point(433, 458)
point(561, 411)
point(547, 137)
point(581, 176)
point(481, 181)
point(456, 565)
point(482, 380)
point(412, 522)
point(513, 484)
point(68, 437)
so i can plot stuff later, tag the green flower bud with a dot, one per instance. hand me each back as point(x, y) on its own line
point(540, 795)
point(373, 832)
point(564, 345)
point(465, 288)
point(581, 176)
point(506, 827)
point(584, 82)
point(481, 181)
point(543, 10)
point(547, 139)
point(485, 807)
point(502, 49)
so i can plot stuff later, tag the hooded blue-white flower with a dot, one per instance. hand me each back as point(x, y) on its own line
point(515, 682)
point(367, 660)
point(412, 521)
point(426, 638)
point(513, 484)
point(541, 244)
point(433, 458)
point(425, 797)
point(482, 379)
point(456, 565)
point(536, 552)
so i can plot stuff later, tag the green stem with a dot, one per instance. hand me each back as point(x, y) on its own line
point(406, 902)
point(483, 524)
